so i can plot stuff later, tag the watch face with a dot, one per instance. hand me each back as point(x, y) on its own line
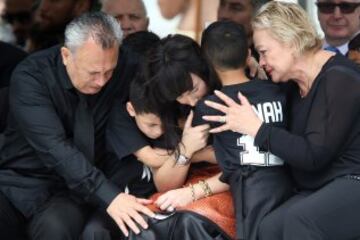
point(182, 160)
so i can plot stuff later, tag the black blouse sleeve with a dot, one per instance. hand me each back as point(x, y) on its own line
point(335, 108)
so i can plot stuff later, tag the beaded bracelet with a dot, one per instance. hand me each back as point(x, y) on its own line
point(205, 187)
point(192, 192)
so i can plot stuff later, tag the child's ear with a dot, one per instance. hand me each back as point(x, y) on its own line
point(130, 109)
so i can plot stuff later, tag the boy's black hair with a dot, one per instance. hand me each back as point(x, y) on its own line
point(138, 96)
point(169, 65)
point(143, 104)
point(225, 46)
point(354, 44)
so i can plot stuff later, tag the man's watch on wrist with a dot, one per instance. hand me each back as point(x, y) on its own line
point(182, 160)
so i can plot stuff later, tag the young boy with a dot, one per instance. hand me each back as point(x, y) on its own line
point(257, 179)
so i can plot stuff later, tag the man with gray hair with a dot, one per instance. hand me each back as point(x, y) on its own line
point(60, 102)
point(131, 14)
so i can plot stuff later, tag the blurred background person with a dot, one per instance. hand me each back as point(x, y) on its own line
point(17, 13)
point(240, 12)
point(50, 19)
point(131, 14)
point(195, 14)
point(340, 21)
point(6, 34)
point(10, 56)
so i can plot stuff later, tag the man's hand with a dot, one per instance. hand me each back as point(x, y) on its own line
point(125, 209)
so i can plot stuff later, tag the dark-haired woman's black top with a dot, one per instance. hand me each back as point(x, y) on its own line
point(324, 139)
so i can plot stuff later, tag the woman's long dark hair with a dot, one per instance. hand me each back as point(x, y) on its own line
point(166, 75)
point(169, 65)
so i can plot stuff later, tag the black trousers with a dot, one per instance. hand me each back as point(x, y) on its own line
point(256, 192)
point(62, 217)
point(332, 212)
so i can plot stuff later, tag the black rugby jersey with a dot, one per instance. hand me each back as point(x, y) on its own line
point(232, 149)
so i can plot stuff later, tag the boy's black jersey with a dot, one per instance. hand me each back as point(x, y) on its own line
point(233, 149)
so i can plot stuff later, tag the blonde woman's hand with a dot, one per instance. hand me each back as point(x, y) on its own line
point(237, 117)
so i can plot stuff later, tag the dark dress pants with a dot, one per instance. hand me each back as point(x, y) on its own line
point(62, 217)
point(331, 213)
point(12, 222)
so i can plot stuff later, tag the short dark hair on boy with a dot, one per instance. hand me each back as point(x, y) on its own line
point(354, 44)
point(224, 44)
point(138, 97)
point(144, 104)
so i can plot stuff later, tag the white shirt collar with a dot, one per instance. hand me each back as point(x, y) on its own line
point(342, 48)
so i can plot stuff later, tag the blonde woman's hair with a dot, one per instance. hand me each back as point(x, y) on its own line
point(289, 24)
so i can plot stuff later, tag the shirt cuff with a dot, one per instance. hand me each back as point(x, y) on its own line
point(262, 136)
point(106, 192)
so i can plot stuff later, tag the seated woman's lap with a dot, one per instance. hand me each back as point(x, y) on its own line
point(316, 215)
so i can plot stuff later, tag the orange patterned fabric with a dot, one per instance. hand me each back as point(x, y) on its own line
point(218, 207)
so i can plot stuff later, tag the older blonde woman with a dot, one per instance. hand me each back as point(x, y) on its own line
point(322, 146)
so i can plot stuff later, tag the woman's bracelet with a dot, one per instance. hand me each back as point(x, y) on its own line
point(192, 192)
point(205, 187)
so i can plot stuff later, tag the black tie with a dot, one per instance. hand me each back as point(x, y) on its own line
point(84, 128)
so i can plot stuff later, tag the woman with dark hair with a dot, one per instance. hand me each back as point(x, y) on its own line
point(177, 75)
point(142, 139)
point(178, 72)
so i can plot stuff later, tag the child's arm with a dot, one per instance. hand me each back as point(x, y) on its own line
point(151, 157)
point(183, 196)
point(172, 175)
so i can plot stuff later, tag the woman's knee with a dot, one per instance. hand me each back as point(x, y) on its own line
point(270, 229)
point(300, 224)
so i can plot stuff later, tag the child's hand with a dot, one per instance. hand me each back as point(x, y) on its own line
point(194, 138)
point(174, 198)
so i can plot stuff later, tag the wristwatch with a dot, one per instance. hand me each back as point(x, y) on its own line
point(182, 160)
